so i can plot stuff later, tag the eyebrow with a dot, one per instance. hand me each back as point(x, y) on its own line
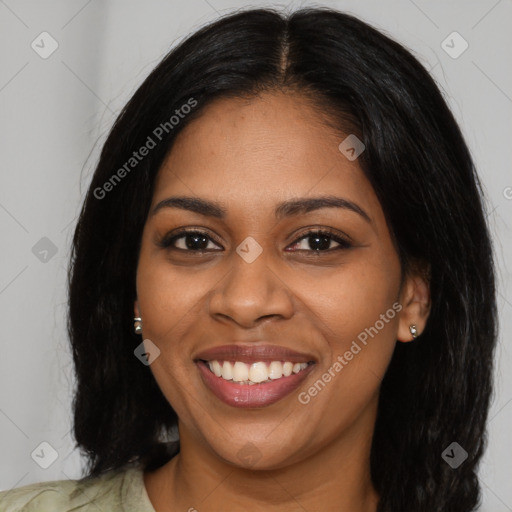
point(285, 209)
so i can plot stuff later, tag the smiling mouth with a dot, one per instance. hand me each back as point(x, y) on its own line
point(259, 372)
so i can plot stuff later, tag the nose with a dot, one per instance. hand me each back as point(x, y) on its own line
point(250, 293)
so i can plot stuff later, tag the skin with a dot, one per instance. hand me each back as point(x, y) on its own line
point(250, 155)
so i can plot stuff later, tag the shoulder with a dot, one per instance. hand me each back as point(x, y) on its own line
point(116, 491)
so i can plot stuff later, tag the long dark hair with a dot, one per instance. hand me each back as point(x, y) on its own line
point(437, 389)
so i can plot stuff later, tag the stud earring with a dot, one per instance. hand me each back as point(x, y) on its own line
point(137, 326)
point(414, 331)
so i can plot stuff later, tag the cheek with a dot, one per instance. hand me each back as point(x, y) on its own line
point(356, 296)
point(171, 301)
point(165, 303)
point(358, 312)
point(359, 346)
point(166, 306)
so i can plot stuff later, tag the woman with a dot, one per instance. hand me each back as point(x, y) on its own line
point(284, 254)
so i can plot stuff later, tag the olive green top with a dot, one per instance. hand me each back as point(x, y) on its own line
point(116, 491)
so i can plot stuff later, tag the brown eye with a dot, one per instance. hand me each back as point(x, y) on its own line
point(315, 241)
point(194, 241)
point(320, 241)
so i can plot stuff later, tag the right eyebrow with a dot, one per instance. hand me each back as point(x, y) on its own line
point(193, 204)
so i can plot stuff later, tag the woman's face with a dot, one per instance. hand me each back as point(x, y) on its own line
point(255, 284)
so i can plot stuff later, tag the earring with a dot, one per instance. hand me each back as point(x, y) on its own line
point(414, 331)
point(137, 326)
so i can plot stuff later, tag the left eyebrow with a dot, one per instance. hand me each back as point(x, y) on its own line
point(285, 209)
point(306, 205)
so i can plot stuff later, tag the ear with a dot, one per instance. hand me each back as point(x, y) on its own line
point(415, 300)
point(136, 312)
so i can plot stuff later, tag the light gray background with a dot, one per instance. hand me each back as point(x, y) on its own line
point(54, 115)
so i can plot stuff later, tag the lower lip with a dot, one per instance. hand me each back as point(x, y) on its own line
point(255, 395)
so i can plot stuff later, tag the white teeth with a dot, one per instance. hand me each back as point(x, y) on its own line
point(287, 369)
point(275, 370)
point(254, 373)
point(227, 371)
point(258, 372)
point(216, 368)
point(240, 372)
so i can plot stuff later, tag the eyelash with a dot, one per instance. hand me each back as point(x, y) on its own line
point(167, 241)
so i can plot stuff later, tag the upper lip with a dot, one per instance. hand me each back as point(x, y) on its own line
point(253, 354)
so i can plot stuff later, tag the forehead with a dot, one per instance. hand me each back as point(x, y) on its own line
point(252, 153)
